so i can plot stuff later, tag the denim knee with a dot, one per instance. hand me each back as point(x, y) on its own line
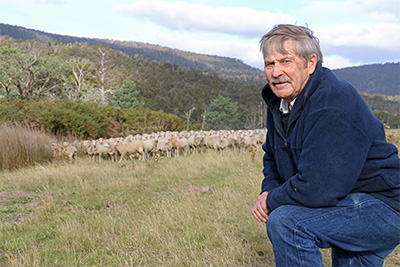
point(279, 221)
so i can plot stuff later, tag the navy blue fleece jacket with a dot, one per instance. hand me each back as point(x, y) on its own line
point(333, 146)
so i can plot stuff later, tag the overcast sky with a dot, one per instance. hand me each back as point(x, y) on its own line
point(351, 32)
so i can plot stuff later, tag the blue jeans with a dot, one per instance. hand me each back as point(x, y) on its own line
point(360, 229)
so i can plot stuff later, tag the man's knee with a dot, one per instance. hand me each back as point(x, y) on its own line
point(281, 220)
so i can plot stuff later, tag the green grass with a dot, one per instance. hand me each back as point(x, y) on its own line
point(187, 211)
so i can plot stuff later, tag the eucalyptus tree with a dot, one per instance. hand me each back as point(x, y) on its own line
point(223, 114)
point(126, 96)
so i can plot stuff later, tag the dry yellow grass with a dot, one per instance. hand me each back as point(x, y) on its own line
point(187, 211)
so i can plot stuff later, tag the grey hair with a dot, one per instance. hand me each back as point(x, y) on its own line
point(306, 44)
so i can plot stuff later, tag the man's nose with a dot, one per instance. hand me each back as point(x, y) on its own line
point(277, 71)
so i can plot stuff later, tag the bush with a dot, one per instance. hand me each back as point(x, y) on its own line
point(138, 121)
point(86, 120)
point(8, 113)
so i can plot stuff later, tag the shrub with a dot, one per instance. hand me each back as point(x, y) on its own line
point(86, 120)
point(8, 113)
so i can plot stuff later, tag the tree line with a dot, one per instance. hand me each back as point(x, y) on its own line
point(52, 71)
point(83, 73)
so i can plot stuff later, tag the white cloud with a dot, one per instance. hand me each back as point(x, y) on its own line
point(381, 11)
point(247, 51)
point(337, 62)
point(375, 11)
point(179, 15)
point(379, 35)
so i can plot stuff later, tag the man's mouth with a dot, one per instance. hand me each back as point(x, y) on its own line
point(279, 83)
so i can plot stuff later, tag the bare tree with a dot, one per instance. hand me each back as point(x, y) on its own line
point(105, 80)
point(188, 114)
point(204, 119)
point(80, 71)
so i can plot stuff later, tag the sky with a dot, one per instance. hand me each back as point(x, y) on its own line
point(351, 32)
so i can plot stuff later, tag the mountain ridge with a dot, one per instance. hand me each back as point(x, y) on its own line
point(163, 86)
point(228, 68)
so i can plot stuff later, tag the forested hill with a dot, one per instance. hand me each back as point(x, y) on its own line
point(376, 78)
point(229, 67)
point(383, 79)
point(46, 67)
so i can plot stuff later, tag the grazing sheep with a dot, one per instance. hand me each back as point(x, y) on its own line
point(57, 151)
point(164, 143)
point(180, 144)
point(222, 144)
point(100, 150)
point(232, 140)
point(149, 146)
point(194, 142)
point(164, 146)
point(247, 141)
point(70, 152)
point(112, 152)
point(64, 151)
point(130, 149)
point(210, 141)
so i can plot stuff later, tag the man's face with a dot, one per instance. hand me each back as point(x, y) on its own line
point(287, 74)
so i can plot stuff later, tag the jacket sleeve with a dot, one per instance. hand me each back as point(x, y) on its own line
point(331, 159)
point(272, 178)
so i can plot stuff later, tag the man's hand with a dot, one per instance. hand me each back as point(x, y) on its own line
point(260, 211)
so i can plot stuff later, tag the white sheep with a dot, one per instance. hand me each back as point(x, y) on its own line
point(222, 144)
point(164, 145)
point(149, 147)
point(112, 150)
point(130, 149)
point(180, 144)
point(247, 141)
point(70, 152)
point(194, 142)
point(210, 141)
point(57, 151)
point(101, 150)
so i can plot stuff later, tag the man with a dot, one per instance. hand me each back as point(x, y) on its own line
point(330, 178)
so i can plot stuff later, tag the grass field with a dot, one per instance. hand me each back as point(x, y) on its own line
point(187, 211)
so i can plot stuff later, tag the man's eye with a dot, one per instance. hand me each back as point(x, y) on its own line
point(269, 65)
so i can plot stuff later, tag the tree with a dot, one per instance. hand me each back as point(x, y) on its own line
point(15, 71)
point(27, 73)
point(105, 79)
point(5, 75)
point(76, 81)
point(223, 114)
point(126, 96)
point(188, 114)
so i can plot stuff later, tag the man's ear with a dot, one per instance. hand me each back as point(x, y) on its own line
point(312, 63)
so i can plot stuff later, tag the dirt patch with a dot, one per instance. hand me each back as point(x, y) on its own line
point(200, 189)
point(17, 206)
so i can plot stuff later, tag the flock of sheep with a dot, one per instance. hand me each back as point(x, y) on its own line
point(168, 144)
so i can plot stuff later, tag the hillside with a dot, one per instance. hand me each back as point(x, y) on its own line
point(385, 81)
point(151, 52)
point(381, 79)
point(85, 70)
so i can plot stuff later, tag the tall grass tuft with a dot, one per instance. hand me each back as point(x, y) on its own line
point(22, 147)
